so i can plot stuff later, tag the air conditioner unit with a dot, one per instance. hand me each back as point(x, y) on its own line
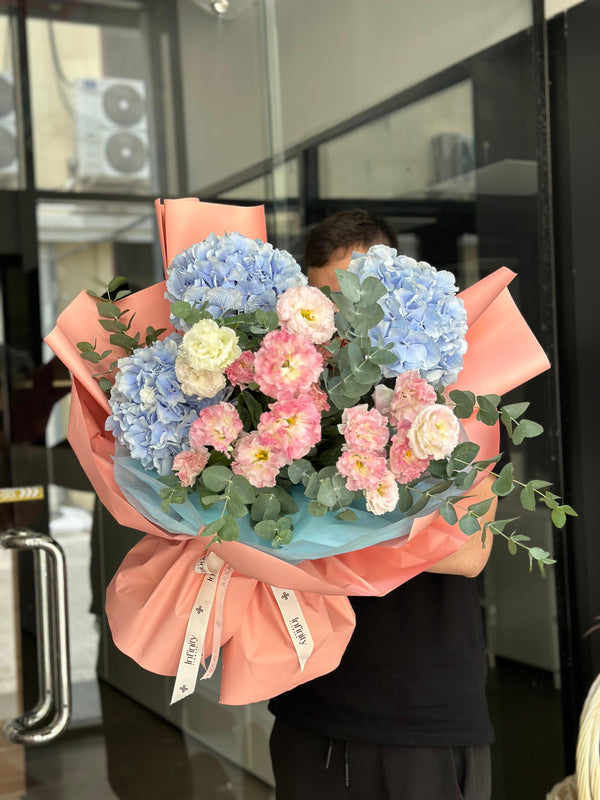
point(111, 130)
point(9, 144)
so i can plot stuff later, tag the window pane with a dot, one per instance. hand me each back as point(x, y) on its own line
point(90, 107)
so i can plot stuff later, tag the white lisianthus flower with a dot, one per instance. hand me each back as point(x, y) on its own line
point(205, 351)
point(305, 311)
point(434, 433)
point(384, 497)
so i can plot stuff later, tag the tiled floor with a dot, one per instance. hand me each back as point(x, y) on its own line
point(134, 755)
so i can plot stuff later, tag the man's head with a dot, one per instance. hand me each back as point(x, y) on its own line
point(331, 243)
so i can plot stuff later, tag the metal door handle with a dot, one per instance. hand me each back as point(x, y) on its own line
point(53, 641)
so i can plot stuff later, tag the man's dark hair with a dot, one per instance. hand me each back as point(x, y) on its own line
point(343, 230)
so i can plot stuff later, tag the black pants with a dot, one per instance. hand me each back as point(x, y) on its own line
point(312, 767)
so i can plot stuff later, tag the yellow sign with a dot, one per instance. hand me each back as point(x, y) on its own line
point(20, 493)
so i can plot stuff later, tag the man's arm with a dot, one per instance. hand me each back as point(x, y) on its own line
point(472, 556)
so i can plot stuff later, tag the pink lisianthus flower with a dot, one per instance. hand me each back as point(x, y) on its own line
point(256, 461)
point(364, 428)
point(382, 398)
point(241, 371)
point(291, 426)
point(286, 364)
point(306, 311)
point(411, 393)
point(384, 497)
point(217, 426)
point(362, 469)
point(403, 462)
point(318, 397)
point(435, 432)
point(189, 464)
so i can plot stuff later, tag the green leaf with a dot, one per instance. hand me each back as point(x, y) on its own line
point(105, 384)
point(283, 537)
point(116, 283)
point(550, 500)
point(266, 528)
point(527, 498)
point(479, 509)
point(526, 429)
point(382, 357)
point(371, 289)
point(208, 500)
point(469, 524)
point(440, 487)
point(286, 501)
point(498, 525)
point(347, 515)
point(86, 347)
point(349, 284)
point(420, 504)
point(464, 480)
point(515, 410)
point(488, 413)
point(109, 310)
point(300, 469)
point(366, 374)
point(317, 509)
point(504, 485)
point(180, 309)
point(242, 489)
point(235, 507)
point(94, 358)
point(230, 530)
point(538, 554)
point(405, 500)
point(512, 547)
point(367, 318)
point(122, 340)
point(448, 514)
point(113, 325)
point(266, 506)
point(462, 455)
point(326, 494)
point(213, 528)
point(464, 403)
point(559, 517)
point(216, 478)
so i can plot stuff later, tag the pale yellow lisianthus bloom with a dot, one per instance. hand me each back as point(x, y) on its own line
point(205, 351)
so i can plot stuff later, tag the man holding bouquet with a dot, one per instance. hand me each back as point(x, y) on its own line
point(405, 714)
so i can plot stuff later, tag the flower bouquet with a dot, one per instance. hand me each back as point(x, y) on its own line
point(284, 447)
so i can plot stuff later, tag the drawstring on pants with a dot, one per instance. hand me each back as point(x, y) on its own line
point(346, 761)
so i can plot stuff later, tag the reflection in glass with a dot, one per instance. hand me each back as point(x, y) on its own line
point(405, 153)
point(9, 137)
point(90, 107)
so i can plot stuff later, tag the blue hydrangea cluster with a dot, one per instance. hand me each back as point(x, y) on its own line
point(231, 274)
point(150, 414)
point(423, 317)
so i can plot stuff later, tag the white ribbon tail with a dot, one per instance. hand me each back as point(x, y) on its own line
point(195, 634)
point(296, 624)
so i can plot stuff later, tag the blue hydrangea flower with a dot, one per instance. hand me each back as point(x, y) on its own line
point(423, 317)
point(150, 414)
point(231, 273)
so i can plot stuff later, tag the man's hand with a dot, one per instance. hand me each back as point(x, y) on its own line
point(472, 556)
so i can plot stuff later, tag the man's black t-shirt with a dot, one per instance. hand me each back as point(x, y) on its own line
point(413, 673)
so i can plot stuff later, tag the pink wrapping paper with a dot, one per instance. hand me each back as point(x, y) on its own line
point(150, 598)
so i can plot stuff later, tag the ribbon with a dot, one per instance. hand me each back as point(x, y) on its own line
point(212, 589)
point(295, 623)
